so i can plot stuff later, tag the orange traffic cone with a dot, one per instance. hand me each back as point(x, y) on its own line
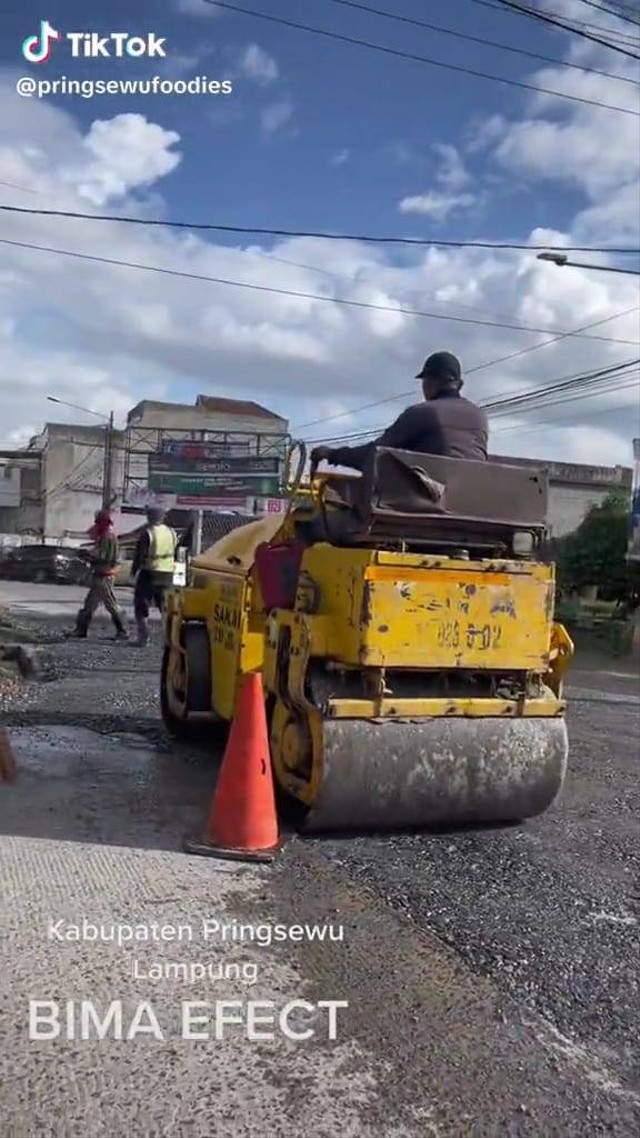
point(8, 768)
point(243, 823)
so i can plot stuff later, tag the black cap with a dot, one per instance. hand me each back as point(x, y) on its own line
point(441, 365)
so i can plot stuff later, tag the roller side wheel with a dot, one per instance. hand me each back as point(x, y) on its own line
point(185, 688)
point(291, 754)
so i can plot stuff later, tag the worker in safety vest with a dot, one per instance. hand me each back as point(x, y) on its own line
point(153, 567)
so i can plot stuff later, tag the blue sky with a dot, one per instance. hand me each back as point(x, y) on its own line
point(317, 135)
point(385, 112)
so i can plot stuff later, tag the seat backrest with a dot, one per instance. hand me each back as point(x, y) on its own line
point(406, 483)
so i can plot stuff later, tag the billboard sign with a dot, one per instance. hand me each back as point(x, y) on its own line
point(242, 465)
point(633, 550)
point(230, 476)
point(190, 449)
point(203, 502)
point(187, 485)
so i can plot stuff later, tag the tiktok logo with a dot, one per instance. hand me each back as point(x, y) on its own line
point(37, 49)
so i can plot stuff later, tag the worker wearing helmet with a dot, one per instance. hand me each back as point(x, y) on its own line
point(103, 559)
point(446, 424)
point(153, 567)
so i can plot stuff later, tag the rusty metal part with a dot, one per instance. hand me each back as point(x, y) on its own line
point(395, 775)
point(8, 766)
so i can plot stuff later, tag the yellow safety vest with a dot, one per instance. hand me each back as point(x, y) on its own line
point(162, 549)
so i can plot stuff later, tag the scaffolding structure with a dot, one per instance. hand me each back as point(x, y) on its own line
point(143, 442)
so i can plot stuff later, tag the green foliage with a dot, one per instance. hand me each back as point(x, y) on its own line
point(595, 554)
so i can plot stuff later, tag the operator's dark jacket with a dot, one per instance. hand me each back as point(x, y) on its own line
point(449, 426)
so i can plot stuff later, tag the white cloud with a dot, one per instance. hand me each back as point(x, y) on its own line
point(572, 151)
point(116, 335)
point(178, 66)
point(483, 132)
point(340, 157)
point(276, 116)
point(436, 204)
point(258, 65)
point(446, 197)
point(452, 173)
point(119, 155)
point(199, 8)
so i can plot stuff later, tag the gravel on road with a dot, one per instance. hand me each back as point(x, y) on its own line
point(493, 973)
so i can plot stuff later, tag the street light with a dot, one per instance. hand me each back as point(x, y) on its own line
point(107, 475)
point(76, 407)
point(563, 259)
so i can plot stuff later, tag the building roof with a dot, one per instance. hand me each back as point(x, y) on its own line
point(209, 403)
point(576, 473)
point(235, 407)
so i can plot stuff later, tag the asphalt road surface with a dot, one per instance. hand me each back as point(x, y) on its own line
point(492, 976)
point(54, 600)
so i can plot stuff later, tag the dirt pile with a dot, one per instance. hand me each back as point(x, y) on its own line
point(17, 655)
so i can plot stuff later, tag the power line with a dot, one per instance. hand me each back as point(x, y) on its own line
point(545, 19)
point(627, 39)
point(360, 304)
point(471, 371)
point(359, 438)
point(568, 383)
point(420, 58)
point(511, 404)
point(15, 186)
point(353, 279)
point(622, 12)
point(558, 424)
point(572, 396)
point(253, 231)
point(67, 483)
point(476, 39)
point(516, 405)
point(561, 391)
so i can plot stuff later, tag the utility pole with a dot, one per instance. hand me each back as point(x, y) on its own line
point(107, 478)
point(196, 545)
point(109, 448)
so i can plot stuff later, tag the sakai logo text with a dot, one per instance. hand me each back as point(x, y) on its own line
point(92, 45)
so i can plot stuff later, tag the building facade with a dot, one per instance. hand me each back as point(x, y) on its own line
point(61, 491)
point(574, 488)
point(228, 426)
point(52, 489)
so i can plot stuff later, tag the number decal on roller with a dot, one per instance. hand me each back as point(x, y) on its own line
point(487, 637)
point(449, 635)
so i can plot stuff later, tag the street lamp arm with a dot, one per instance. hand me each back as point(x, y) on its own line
point(561, 259)
point(76, 407)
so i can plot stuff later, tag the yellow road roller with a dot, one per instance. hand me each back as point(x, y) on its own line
point(402, 619)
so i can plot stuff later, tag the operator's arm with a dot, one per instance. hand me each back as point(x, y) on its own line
point(141, 551)
point(400, 435)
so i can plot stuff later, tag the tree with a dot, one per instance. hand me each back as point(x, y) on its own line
point(595, 553)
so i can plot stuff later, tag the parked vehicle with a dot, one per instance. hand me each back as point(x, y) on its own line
point(61, 564)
